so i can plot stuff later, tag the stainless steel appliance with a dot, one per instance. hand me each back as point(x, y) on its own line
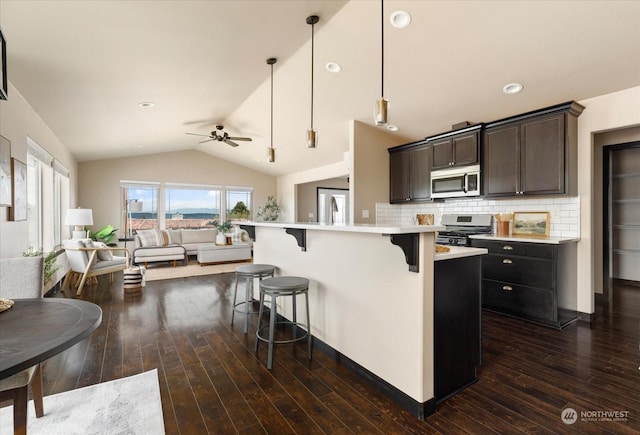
point(456, 182)
point(458, 228)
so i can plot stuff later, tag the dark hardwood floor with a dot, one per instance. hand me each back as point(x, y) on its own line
point(211, 380)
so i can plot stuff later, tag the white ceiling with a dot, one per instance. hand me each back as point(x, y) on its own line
point(85, 65)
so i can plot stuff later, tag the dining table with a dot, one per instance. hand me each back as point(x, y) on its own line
point(34, 330)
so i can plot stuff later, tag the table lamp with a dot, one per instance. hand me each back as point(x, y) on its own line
point(79, 217)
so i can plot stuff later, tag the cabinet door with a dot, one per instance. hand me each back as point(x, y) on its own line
point(420, 168)
point(399, 176)
point(501, 161)
point(442, 153)
point(542, 159)
point(465, 149)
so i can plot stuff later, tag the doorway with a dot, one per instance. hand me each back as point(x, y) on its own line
point(621, 195)
point(333, 206)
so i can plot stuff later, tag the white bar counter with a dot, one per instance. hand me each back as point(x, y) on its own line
point(365, 301)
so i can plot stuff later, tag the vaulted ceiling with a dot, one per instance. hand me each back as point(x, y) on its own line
point(84, 66)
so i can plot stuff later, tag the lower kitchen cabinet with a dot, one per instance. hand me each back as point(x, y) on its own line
point(533, 281)
point(457, 329)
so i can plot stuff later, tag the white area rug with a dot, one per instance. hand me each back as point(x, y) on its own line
point(125, 406)
point(156, 273)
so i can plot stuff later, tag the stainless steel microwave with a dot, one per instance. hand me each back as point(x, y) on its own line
point(456, 182)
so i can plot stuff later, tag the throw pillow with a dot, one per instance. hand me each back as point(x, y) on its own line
point(166, 237)
point(103, 255)
point(148, 237)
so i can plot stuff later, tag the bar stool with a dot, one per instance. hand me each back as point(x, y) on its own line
point(249, 272)
point(282, 286)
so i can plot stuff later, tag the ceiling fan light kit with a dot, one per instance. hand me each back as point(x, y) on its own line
point(312, 136)
point(271, 152)
point(381, 108)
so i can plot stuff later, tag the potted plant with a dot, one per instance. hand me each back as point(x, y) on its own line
point(270, 211)
point(223, 229)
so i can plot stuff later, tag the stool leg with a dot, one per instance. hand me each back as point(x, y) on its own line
point(235, 295)
point(259, 318)
point(248, 297)
point(308, 324)
point(272, 329)
point(294, 325)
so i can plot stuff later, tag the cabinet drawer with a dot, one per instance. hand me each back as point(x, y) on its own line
point(533, 272)
point(518, 299)
point(537, 250)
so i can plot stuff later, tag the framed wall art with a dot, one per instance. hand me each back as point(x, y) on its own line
point(531, 223)
point(18, 210)
point(5, 172)
point(4, 83)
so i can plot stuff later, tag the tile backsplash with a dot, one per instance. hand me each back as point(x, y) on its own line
point(564, 211)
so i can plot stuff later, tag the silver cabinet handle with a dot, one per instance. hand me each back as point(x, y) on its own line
point(507, 288)
point(506, 261)
point(507, 248)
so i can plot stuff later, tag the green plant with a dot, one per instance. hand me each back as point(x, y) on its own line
point(105, 235)
point(240, 211)
point(50, 266)
point(270, 211)
point(223, 227)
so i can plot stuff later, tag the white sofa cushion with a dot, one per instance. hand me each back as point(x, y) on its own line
point(199, 236)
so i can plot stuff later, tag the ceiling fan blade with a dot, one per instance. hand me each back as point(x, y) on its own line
point(230, 142)
point(196, 134)
point(203, 141)
point(248, 139)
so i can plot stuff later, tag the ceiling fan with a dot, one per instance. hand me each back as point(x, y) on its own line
point(223, 136)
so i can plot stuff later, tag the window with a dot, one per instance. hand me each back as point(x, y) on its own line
point(40, 198)
point(191, 206)
point(238, 203)
point(60, 201)
point(143, 216)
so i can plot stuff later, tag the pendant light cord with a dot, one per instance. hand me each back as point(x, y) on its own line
point(312, 50)
point(382, 39)
point(271, 105)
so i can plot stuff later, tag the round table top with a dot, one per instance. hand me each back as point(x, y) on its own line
point(34, 330)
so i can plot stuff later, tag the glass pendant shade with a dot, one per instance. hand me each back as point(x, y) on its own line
point(312, 138)
point(271, 154)
point(380, 112)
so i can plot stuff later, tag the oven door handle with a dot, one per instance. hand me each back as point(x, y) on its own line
point(465, 189)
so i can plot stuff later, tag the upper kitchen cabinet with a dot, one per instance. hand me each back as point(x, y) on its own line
point(409, 177)
point(456, 148)
point(532, 154)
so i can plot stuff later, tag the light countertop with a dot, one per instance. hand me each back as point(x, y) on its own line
point(532, 239)
point(459, 252)
point(354, 228)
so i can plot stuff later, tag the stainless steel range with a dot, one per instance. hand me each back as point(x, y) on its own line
point(458, 228)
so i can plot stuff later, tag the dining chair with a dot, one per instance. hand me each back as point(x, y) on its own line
point(22, 278)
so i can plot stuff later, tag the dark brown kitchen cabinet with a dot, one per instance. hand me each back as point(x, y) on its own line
point(409, 173)
point(456, 148)
point(532, 154)
point(533, 281)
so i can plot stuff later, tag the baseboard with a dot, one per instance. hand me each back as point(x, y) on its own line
point(420, 410)
point(586, 317)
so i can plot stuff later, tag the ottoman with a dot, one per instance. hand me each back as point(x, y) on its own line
point(211, 253)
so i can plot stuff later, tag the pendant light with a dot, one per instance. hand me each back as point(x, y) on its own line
point(380, 111)
point(312, 135)
point(271, 151)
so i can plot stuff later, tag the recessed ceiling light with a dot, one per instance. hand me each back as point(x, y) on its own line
point(146, 104)
point(333, 67)
point(512, 88)
point(400, 19)
point(392, 127)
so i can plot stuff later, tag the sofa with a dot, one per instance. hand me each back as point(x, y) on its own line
point(178, 245)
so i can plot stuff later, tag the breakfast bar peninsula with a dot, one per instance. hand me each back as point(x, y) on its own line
point(372, 299)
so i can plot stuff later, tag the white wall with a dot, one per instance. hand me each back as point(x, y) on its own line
point(18, 120)
point(607, 112)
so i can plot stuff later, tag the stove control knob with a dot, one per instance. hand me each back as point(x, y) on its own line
point(453, 241)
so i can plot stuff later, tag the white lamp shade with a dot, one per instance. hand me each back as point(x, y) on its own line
point(135, 206)
point(79, 217)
